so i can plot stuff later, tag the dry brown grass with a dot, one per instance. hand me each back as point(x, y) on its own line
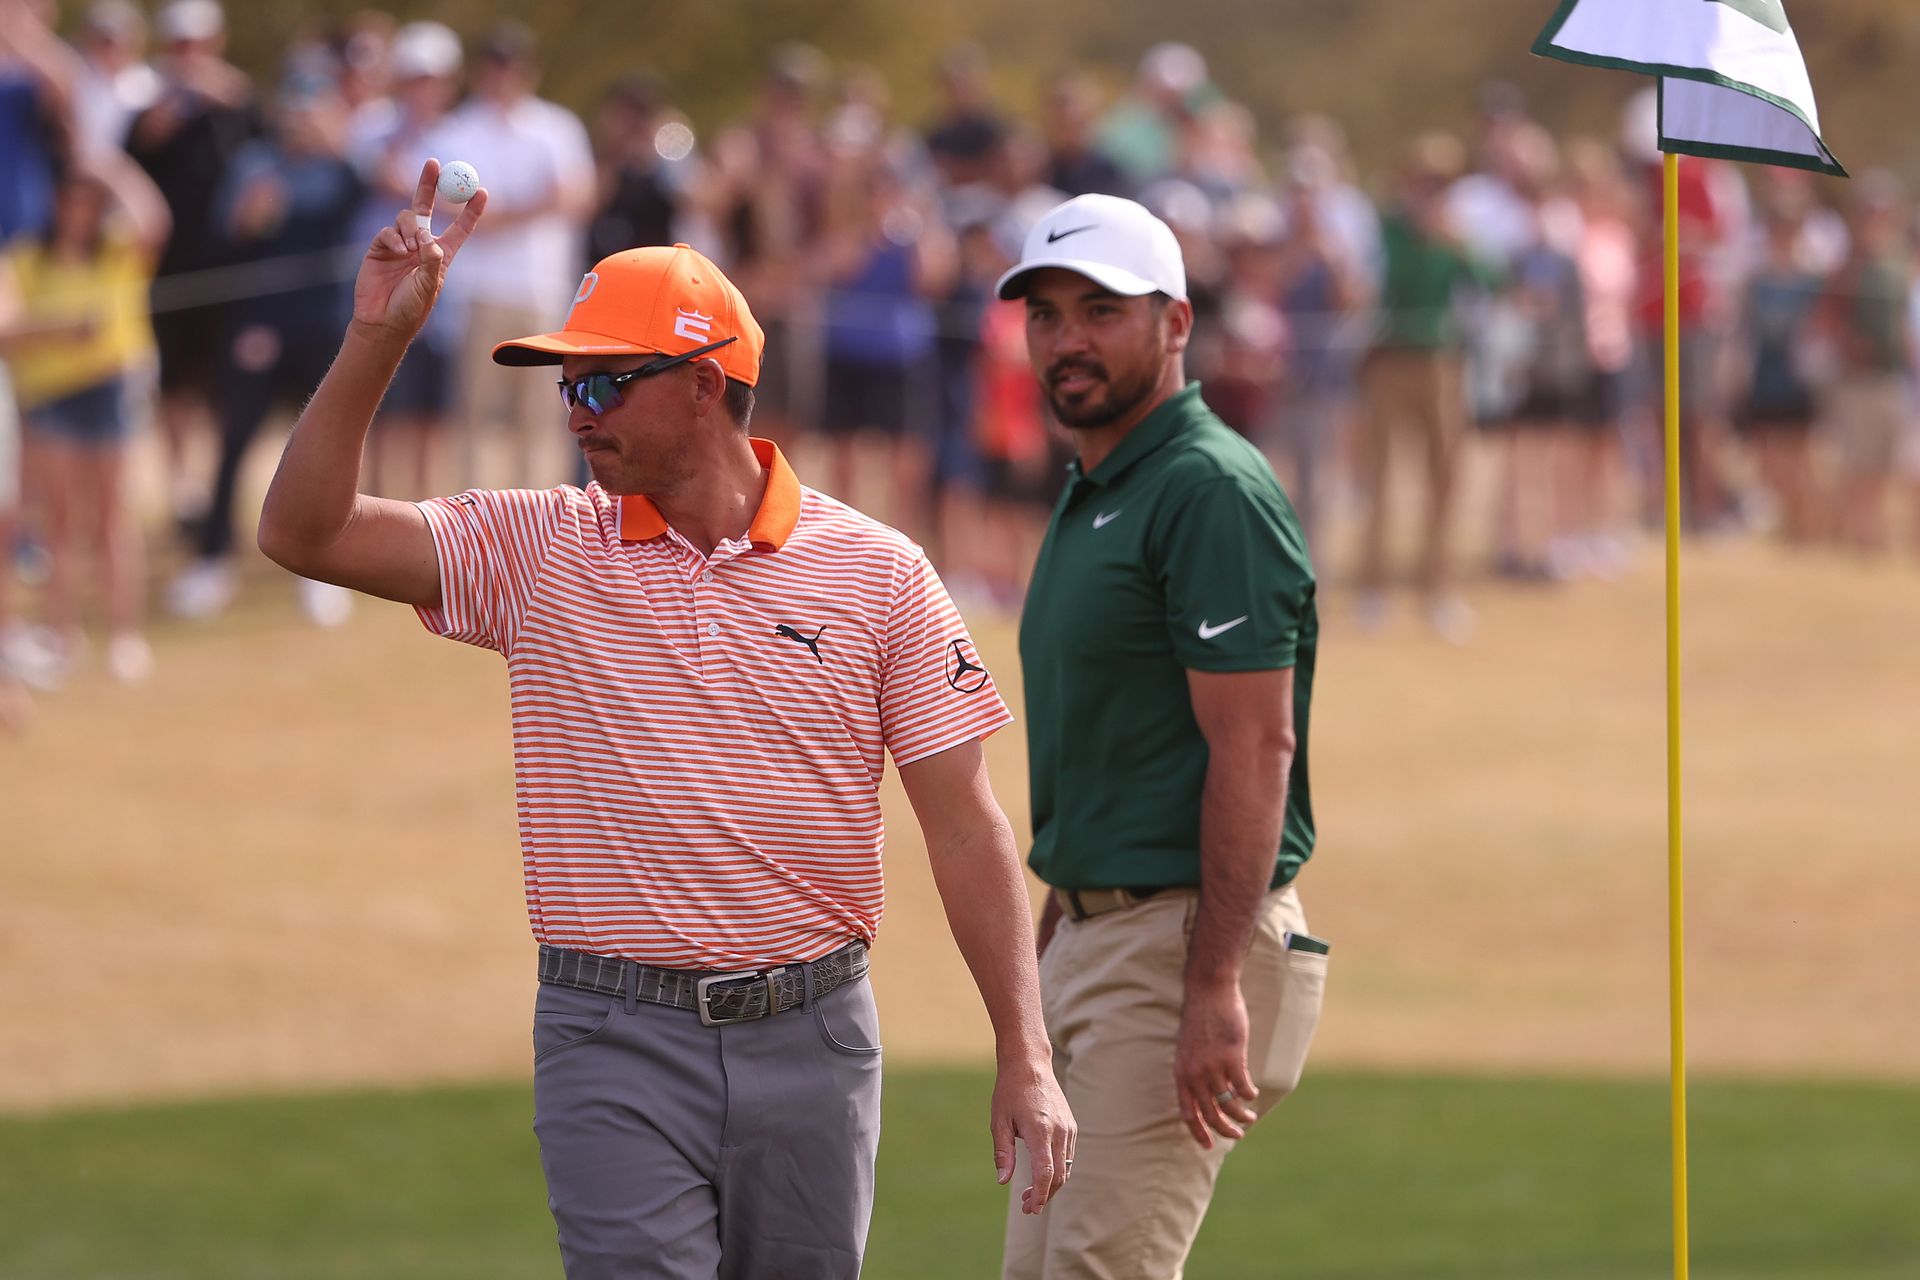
point(290, 859)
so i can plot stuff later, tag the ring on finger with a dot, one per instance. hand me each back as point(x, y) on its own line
point(1224, 1097)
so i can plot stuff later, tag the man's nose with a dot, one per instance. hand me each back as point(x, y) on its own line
point(1071, 337)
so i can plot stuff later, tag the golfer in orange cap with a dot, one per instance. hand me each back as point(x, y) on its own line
point(709, 665)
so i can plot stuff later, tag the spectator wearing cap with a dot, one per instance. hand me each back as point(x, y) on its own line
point(1608, 256)
point(1019, 457)
point(1489, 205)
point(1554, 371)
point(536, 157)
point(286, 207)
point(1318, 159)
point(1413, 382)
point(1187, 210)
point(363, 44)
point(709, 663)
point(1168, 647)
point(962, 140)
point(1779, 314)
point(1142, 132)
point(185, 141)
point(765, 194)
point(1712, 220)
point(646, 165)
point(957, 471)
point(1252, 351)
point(886, 257)
point(388, 147)
point(115, 81)
point(648, 175)
point(1017, 183)
point(1218, 150)
point(1322, 293)
point(1870, 403)
point(1075, 165)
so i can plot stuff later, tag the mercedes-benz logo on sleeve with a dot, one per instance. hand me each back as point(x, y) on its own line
point(966, 674)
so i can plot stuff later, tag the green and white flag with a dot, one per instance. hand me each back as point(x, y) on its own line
point(1732, 81)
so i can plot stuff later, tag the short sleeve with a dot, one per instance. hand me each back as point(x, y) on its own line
point(1238, 585)
point(935, 689)
point(572, 145)
point(491, 544)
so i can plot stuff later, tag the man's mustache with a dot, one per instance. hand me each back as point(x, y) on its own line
point(1061, 368)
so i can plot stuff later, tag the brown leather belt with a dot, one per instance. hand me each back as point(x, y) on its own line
point(1084, 904)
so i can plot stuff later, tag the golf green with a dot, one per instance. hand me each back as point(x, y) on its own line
point(1376, 1176)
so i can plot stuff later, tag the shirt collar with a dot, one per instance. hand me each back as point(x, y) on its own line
point(1152, 431)
point(772, 524)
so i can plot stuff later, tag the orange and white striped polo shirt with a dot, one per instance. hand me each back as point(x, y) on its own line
point(699, 739)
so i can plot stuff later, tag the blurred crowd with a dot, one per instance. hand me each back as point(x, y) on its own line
point(180, 242)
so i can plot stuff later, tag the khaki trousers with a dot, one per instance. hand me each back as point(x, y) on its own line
point(1416, 400)
point(1112, 991)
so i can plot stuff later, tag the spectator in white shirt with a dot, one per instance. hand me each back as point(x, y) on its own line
point(114, 82)
point(536, 161)
point(424, 64)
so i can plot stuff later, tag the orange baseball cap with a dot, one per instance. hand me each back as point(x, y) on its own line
point(660, 300)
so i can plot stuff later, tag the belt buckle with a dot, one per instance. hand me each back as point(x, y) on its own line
point(703, 992)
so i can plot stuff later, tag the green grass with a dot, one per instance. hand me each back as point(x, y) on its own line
point(1382, 1177)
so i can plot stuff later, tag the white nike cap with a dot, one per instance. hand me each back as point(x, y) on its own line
point(1115, 243)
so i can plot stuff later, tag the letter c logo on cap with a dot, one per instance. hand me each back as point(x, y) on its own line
point(688, 323)
point(588, 284)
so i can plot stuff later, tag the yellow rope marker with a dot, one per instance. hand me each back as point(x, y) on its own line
point(1676, 920)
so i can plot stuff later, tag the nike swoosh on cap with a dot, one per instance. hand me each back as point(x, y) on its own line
point(1072, 231)
point(1208, 633)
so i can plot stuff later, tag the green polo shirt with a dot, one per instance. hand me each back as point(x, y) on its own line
point(1178, 552)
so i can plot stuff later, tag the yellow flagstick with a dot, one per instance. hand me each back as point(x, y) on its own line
point(1676, 924)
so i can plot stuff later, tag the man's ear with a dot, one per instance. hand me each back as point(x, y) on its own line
point(709, 387)
point(1178, 317)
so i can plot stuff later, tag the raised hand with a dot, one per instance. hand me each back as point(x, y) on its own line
point(406, 264)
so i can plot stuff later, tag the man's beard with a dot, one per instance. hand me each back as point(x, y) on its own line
point(1094, 410)
point(630, 469)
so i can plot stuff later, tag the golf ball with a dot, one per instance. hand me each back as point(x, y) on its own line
point(458, 182)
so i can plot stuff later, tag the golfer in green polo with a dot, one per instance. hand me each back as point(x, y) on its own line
point(1168, 643)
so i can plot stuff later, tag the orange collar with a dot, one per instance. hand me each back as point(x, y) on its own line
point(772, 524)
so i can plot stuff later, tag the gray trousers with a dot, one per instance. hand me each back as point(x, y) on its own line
point(676, 1150)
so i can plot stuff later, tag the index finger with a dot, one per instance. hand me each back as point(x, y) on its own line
point(429, 184)
point(416, 220)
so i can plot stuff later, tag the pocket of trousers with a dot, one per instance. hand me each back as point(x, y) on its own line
point(1280, 1046)
point(848, 1020)
point(566, 1016)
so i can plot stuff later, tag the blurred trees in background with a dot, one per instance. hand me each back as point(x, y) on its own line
point(1386, 68)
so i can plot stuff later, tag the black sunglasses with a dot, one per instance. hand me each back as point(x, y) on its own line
point(601, 391)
